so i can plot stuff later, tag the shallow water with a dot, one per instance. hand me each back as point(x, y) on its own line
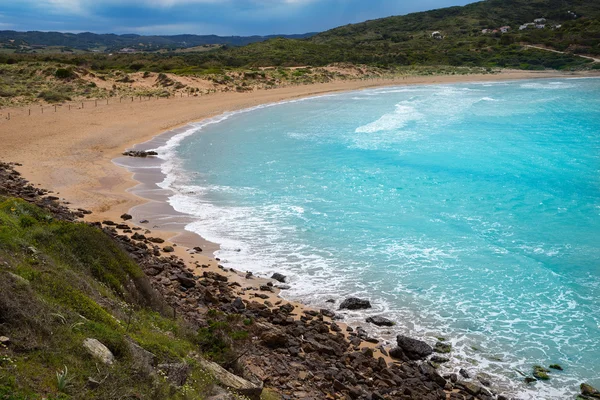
point(467, 211)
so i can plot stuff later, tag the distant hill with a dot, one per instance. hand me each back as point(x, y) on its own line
point(448, 36)
point(572, 25)
point(110, 42)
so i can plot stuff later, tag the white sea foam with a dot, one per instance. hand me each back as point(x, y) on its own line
point(392, 121)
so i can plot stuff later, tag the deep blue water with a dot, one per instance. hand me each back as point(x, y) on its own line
point(468, 211)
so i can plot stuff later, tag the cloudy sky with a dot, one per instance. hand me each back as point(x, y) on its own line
point(221, 17)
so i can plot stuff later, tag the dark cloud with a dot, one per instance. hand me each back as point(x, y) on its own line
point(222, 17)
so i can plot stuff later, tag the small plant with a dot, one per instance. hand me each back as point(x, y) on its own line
point(62, 380)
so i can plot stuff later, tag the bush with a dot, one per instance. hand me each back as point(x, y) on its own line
point(63, 73)
point(53, 97)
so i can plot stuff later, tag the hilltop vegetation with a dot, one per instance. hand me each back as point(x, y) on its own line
point(33, 42)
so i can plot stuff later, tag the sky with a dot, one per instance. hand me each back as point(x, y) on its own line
point(219, 17)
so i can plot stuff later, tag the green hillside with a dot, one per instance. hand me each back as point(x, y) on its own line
point(572, 26)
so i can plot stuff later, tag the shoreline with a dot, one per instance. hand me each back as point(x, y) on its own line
point(111, 190)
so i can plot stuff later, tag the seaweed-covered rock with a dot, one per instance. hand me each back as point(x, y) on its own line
point(540, 373)
point(441, 347)
point(589, 391)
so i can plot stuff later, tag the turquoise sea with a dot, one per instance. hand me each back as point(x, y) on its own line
point(468, 211)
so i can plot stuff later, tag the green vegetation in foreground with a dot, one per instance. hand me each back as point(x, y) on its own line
point(63, 282)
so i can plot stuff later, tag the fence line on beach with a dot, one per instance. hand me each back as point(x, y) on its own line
point(9, 112)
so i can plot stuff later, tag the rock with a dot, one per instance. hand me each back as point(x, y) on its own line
point(138, 236)
point(283, 287)
point(279, 277)
point(471, 388)
point(327, 313)
point(144, 221)
point(330, 301)
point(4, 340)
point(238, 304)
point(139, 153)
point(354, 303)
point(216, 276)
point(274, 338)
point(185, 281)
point(99, 351)
point(529, 379)
point(540, 373)
point(464, 373)
point(156, 240)
point(232, 382)
point(92, 383)
point(198, 249)
point(176, 373)
point(143, 360)
point(413, 348)
point(441, 347)
point(168, 249)
point(380, 321)
point(109, 223)
point(439, 359)
point(588, 390)
point(126, 217)
point(556, 367)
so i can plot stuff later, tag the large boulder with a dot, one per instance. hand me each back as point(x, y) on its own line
point(380, 321)
point(414, 349)
point(99, 351)
point(354, 303)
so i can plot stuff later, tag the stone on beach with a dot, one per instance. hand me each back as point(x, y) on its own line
point(413, 349)
point(279, 277)
point(380, 321)
point(354, 303)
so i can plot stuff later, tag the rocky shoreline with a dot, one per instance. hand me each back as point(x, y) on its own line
point(298, 352)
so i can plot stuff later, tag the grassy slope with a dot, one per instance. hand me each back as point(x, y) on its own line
point(62, 282)
point(406, 40)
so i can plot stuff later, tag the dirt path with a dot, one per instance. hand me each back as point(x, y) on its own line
point(562, 52)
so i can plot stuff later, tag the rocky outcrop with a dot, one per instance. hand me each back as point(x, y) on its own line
point(354, 303)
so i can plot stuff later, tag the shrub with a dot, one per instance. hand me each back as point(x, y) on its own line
point(63, 73)
point(53, 97)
